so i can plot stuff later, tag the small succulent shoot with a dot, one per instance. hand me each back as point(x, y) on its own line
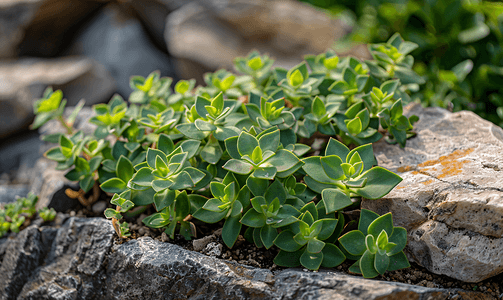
point(399, 126)
point(260, 156)
point(160, 122)
point(254, 65)
point(176, 215)
point(152, 88)
point(51, 106)
point(377, 244)
point(269, 211)
point(352, 82)
point(228, 202)
point(14, 214)
point(357, 126)
point(47, 214)
point(339, 181)
point(208, 117)
point(269, 113)
point(319, 119)
point(303, 244)
point(108, 116)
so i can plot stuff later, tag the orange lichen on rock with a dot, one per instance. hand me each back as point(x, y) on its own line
point(405, 169)
point(450, 165)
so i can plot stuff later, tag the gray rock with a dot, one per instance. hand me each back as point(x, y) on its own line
point(451, 196)
point(201, 243)
point(74, 265)
point(145, 268)
point(212, 33)
point(53, 26)
point(9, 193)
point(118, 42)
point(18, 155)
point(99, 207)
point(15, 16)
point(50, 185)
point(23, 81)
point(79, 261)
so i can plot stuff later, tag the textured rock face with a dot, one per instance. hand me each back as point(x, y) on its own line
point(210, 34)
point(451, 196)
point(79, 261)
point(64, 263)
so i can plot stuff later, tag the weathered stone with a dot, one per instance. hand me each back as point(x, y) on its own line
point(18, 154)
point(53, 25)
point(74, 266)
point(24, 80)
point(212, 33)
point(201, 243)
point(79, 261)
point(117, 40)
point(8, 193)
point(15, 16)
point(451, 196)
point(50, 185)
point(149, 269)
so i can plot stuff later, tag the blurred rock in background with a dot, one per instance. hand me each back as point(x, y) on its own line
point(90, 48)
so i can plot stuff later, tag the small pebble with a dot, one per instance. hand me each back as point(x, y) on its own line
point(164, 237)
point(72, 213)
point(99, 207)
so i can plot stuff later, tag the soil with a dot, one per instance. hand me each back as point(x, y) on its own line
point(209, 242)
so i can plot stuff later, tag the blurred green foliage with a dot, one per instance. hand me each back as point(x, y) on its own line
point(460, 52)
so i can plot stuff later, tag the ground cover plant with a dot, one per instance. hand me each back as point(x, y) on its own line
point(460, 52)
point(238, 151)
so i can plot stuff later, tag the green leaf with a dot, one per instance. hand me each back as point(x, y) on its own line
point(312, 261)
point(318, 107)
point(328, 227)
point(209, 216)
point(288, 259)
point(332, 166)
point(367, 265)
point(381, 262)
point(334, 147)
point(211, 152)
point(283, 160)
point(268, 234)
point(354, 126)
point(246, 143)
point(125, 170)
point(164, 199)
point(231, 230)
point(371, 244)
point(366, 218)
point(238, 166)
point(264, 173)
point(315, 246)
point(399, 237)
point(384, 222)
point(335, 199)
point(257, 186)
point(295, 79)
point(398, 261)
point(113, 185)
point(270, 141)
point(286, 242)
point(253, 219)
point(87, 183)
point(353, 242)
point(332, 256)
point(143, 177)
point(204, 126)
point(379, 183)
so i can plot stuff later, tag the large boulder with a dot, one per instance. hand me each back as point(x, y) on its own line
point(15, 16)
point(24, 80)
point(79, 260)
point(451, 196)
point(206, 35)
point(117, 40)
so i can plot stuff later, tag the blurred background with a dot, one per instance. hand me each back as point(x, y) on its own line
point(90, 48)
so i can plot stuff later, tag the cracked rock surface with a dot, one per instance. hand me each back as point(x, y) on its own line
point(451, 197)
point(79, 260)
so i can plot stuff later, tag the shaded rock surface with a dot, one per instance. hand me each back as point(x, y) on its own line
point(210, 34)
point(80, 261)
point(15, 16)
point(118, 41)
point(451, 196)
point(24, 80)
